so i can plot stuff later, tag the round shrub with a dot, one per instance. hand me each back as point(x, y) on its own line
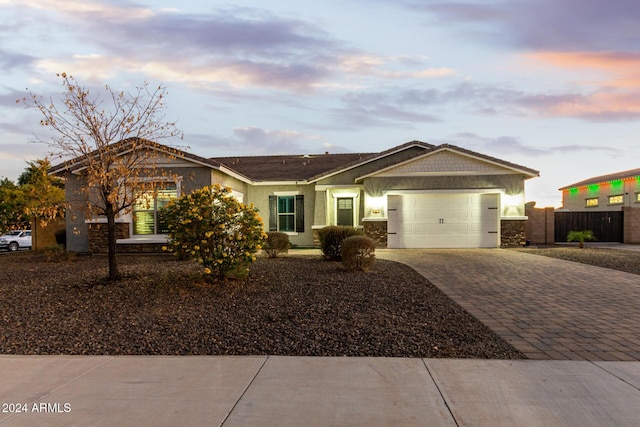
point(358, 252)
point(331, 239)
point(277, 242)
point(211, 226)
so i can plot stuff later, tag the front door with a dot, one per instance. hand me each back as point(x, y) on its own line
point(344, 211)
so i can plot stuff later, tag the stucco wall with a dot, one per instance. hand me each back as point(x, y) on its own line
point(77, 231)
point(511, 183)
point(259, 196)
point(228, 181)
point(575, 199)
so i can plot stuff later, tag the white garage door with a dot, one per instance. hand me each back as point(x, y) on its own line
point(443, 221)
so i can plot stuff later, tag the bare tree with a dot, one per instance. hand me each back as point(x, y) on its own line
point(110, 140)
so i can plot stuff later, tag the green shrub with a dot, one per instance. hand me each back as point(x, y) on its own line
point(331, 239)
point(580, 236)
point(358, 252)
point(277, 242)
point(212, 227)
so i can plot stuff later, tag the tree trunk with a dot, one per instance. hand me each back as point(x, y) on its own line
point(111, 245)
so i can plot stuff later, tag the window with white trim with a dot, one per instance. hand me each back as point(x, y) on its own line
point(286, 213)
point(147, 211)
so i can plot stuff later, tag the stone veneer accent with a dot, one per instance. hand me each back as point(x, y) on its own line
point(98, 235)
point(377, 230)
point(512, 233)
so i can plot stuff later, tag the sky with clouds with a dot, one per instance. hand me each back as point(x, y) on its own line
point(552, 85)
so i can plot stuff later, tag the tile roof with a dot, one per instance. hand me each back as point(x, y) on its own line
point(631, 173)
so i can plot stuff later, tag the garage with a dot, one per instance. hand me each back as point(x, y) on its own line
point(443, 220)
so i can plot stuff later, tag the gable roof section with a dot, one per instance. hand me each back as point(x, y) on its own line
point(631, 173)
point(127, 145)
point(449, 159)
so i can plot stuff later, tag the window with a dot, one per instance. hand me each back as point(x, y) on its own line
point(147, 218)
point(286, 213)
point(592, 203)
point(616, 200)
point(637, 197)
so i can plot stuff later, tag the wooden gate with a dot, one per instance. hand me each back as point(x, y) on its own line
point(606, 226)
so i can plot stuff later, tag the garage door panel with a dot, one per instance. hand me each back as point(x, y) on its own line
point(443, 220)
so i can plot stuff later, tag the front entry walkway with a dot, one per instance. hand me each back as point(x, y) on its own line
point(545, 307)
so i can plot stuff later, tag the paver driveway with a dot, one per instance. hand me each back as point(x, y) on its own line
point(545, 307)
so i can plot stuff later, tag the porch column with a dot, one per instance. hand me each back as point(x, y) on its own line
point(319, 214)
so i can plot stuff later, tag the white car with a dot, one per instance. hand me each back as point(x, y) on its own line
point(16, 239)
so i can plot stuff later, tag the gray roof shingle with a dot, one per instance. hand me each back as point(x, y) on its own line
point(290, 167)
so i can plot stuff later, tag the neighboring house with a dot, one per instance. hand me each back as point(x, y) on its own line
point(609, 192)
point(415, 195)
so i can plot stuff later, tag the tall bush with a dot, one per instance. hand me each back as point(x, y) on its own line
point(211, 226)
point(358, 252)
point(331, 239)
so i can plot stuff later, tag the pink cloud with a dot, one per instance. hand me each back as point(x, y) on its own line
point(601, 106)
point(619, 68)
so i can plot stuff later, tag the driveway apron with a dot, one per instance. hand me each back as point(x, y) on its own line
point(547, 308)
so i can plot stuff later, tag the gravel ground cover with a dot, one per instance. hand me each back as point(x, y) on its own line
point(615, 259)
point(294, 305)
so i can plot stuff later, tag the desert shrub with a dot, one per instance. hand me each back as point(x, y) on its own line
point(277, 242)
point(211, 226)
point(358, 252)
point(331, 239)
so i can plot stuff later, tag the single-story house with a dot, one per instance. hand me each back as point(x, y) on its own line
point(609, 192)
point(415, 195)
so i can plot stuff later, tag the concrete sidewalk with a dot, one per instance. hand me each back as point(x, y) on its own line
point(314, 391)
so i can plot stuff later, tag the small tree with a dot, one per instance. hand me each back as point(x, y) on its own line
point(109, 144)
point(580, 236)
point(37, 196)
point(12, 205)
point(44, 194)
point(211, 226)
